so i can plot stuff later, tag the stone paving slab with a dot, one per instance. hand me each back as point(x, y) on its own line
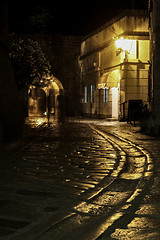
point(49, 173)
point(41, 179)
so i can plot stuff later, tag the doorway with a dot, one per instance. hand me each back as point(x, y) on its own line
point(115, 102)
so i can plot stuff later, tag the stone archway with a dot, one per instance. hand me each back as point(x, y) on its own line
point(44, 100)
point(52, 90)
point(36, 102)
point(110, 79)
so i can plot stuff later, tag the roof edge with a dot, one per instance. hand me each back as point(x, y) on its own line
point(125, 13)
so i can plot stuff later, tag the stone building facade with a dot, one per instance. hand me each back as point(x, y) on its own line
point(62, 52)
point(114, 65)
point(151, 124)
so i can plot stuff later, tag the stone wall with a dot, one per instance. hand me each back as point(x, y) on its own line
point(11, 117)
point(62, 53)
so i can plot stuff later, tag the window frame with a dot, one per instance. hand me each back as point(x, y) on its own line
point(85, 94)
point(92, 93)
point(105, 95)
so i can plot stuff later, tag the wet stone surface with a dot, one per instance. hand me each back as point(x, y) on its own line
point(60, 164)
point(133, 234)
point(70, 182)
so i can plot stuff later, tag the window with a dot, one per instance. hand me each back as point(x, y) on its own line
point(85, 94)
point(105, 94)
point(92, 93)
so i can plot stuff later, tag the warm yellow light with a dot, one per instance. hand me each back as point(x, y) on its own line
point(125, 44)
point(39, 121)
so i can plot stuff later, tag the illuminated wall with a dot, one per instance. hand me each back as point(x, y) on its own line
point(121, 46)
point(44, 100)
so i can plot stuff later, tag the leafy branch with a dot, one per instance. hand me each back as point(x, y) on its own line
point(29, 63)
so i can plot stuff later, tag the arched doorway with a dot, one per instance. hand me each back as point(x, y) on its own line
point(44, 100)
point(52, 90)
point(111, 81)
point(36, 102)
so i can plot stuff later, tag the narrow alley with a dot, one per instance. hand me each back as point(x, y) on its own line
point(86, 180)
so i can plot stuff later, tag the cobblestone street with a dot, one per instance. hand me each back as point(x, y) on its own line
point(83, 180)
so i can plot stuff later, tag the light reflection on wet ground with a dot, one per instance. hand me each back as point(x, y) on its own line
point(133, 172)
point(61, 163)
point(70, 166)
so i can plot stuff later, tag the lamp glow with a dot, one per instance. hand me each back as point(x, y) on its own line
point(125, 44)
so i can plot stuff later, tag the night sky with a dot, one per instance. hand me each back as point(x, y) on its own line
point(65, 17)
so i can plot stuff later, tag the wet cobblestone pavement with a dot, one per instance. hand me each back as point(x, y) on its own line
point(80, 180)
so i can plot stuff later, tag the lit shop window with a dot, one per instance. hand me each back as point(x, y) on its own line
point(92, 93)
point(85, 94)
point(105, 94)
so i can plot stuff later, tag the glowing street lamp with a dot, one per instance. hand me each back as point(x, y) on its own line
point(124, 45)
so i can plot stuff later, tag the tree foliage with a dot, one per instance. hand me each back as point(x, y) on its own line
point(29, 63)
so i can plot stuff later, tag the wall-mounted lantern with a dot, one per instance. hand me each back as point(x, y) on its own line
point(124, 45)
